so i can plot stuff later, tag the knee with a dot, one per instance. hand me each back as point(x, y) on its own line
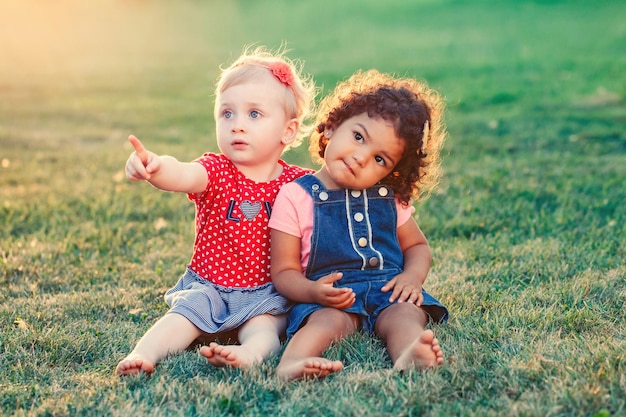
point(399, 314)
point(404, 310)
point(334, 321)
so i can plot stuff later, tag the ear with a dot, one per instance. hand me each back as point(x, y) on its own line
point(291, 130)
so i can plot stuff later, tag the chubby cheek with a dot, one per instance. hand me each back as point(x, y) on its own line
point(378, 176)
point(219, 129)
point(222, 141)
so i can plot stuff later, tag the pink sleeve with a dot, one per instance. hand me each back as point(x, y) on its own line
point(284, 212)
point(293, 214)
point(404, 213)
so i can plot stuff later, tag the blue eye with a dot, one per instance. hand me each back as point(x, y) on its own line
point(255, 114)
point(227, 114)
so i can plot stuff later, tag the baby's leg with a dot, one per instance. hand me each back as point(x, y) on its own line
point(258, 338)
point(171, 334)
point(401, 325)
point(303, 355)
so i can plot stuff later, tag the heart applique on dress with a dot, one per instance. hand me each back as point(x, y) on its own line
point(250, 210)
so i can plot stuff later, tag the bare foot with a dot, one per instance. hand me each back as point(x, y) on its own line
point(307, 368)
point(423, 353)
point(134, 364)
point(230, 355)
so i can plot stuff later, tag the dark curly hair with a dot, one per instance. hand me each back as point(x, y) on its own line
point(405, 102)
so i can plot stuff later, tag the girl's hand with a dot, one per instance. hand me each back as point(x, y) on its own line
point(325, 294)
point(405, 289)
point(141, 164)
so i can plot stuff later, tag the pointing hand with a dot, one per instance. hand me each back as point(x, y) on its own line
point(142, 163)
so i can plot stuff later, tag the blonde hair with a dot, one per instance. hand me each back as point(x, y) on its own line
point(299, 95)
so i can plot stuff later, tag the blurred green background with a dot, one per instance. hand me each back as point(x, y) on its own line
point(527, 226)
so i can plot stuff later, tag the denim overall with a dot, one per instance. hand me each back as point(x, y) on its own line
point(355, 232)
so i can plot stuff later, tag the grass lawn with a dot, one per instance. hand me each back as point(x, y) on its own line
point(527, 227)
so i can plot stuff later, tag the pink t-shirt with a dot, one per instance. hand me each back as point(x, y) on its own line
point(293, 214)
point(232, 237)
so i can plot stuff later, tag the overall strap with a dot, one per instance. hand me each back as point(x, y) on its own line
point(310, 183)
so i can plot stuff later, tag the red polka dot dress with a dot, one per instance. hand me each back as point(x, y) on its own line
point(228, 279)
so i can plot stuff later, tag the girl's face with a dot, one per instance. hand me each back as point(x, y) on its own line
point(251, 121)
point(360, 152)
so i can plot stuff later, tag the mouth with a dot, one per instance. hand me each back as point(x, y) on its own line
point(238, 143)
point(349, 168)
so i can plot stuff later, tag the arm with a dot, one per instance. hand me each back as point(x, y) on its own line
point(407, 286)
point(165, 172)
point(289, 280)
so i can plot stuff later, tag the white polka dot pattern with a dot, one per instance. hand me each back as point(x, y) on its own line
point(232, 246)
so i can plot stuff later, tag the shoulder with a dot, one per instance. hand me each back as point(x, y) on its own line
point(405, 212)
point(293, 204)
point(291, 172)
point(292, 191)
point(217, 166)
point(292, 197)
point(210, 159)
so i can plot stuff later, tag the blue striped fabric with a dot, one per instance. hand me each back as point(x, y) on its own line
point(213, 308)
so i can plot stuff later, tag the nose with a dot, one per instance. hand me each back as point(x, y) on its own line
point(237, 125)
point(237, 129)
point(359, 158)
